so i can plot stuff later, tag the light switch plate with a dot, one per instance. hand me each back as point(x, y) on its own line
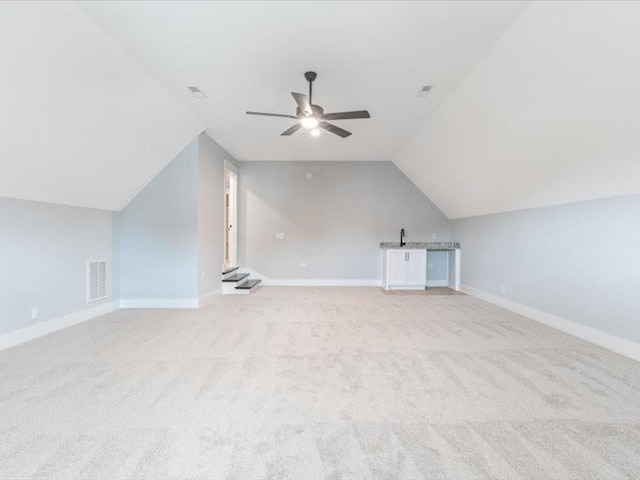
point(279, 236)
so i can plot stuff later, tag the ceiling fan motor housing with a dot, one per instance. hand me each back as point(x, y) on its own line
point(310, 76)
point(317, 111)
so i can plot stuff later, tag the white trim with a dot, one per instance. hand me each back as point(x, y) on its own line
point(405, 287)
point(320, 282)
point(458, 279)
point(310, 282)
point(230, 166)
point(230, 289)
point(455, 284)
point(230, 209)
point(49, 326)
point(592, 335)
point(160, 303)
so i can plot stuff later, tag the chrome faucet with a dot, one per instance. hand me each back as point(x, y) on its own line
point(402, 242)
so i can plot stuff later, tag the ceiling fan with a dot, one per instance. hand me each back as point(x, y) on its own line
point(312, 116)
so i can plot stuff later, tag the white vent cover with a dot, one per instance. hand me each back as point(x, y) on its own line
point(196, 92)
point(96, 280)
point(424, 91)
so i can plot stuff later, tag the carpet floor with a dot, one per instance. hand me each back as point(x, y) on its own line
point(318, 383)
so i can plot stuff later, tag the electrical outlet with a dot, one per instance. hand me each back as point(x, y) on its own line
point(303, 265)
point(430, 265)
point(504, 290)
point(279, 236)
point(433, 236)
point(34, 313)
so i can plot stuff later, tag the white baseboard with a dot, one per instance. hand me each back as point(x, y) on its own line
point(310, 282)
point(229, 288)
point(160, 303)
point(40, 329)
point(592, 335)
point(404, 287)
point(320, 282)
point(49, 326)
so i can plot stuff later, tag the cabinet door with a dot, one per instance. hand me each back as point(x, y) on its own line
point(396, 267)
point(417, 268)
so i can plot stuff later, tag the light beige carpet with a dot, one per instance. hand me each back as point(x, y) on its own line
point(318, 383)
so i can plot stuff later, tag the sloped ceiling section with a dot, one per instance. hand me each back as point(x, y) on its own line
point(550, 115)
point(81, 123)
point(250, 55)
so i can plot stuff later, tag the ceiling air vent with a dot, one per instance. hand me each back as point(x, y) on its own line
point(424, 91)
point(196, 92)
point(96, 280)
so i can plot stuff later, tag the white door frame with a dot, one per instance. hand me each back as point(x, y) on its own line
point(230, 257)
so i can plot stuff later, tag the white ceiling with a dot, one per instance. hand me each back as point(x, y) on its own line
point(550, 115)
point(251, 55)
point(532, 106)
point(81, 122)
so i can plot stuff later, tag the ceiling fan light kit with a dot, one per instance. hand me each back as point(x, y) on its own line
point(309, 122)
point(312, 117)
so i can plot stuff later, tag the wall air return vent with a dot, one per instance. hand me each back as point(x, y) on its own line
point(96, 280)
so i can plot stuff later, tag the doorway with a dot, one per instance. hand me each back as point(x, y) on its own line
point(230, 217)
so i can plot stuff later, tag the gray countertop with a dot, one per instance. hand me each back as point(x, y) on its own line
point(421, 245)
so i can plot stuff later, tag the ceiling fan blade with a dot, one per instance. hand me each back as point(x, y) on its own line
point(291, 130)
point(333, 129)
point(303, 103)
point(346, 115)
point(271, 114)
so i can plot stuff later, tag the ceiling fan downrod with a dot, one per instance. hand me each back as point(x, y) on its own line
point(310, 76)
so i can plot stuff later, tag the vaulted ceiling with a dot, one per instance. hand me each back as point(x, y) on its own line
point(533, 104)
point(550, 115)
point(252, 55)
point(81, 122)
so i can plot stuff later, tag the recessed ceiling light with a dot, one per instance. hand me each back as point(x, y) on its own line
point(196, 92)
point(424, 91)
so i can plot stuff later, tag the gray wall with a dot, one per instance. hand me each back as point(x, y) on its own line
point(333, 222)
point(43, 253)
point(211, 157)
point(578, 261)
point(158, 234)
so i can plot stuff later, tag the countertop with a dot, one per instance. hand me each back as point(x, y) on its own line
point(421, 245)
